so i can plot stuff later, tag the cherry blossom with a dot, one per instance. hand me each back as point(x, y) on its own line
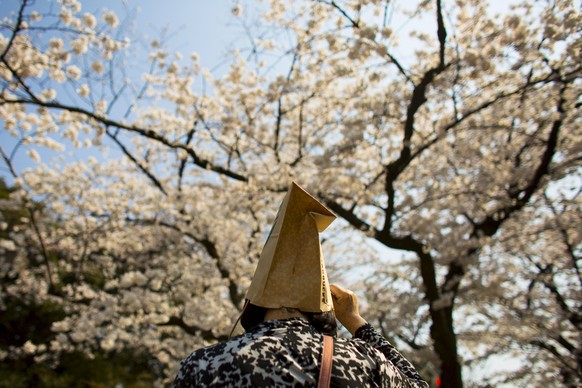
point(444, 136)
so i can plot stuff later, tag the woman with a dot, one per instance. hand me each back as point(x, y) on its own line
point(289, 311)
point(284, 350)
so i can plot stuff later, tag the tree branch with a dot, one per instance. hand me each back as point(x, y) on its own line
point(141, 167)
point(441, 33)
point(197, 160)
point(17, 28)
point(491, 223)
point(353, 22)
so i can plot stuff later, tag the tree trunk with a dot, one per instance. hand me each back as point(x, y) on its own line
point(442, 329)
point(445, 344)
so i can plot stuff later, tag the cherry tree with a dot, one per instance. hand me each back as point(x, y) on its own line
point(441, 129)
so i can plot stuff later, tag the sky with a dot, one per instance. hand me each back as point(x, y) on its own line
point(199, 19)
point(206, 27)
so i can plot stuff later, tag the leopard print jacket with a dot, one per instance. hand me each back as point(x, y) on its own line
point(287, 353)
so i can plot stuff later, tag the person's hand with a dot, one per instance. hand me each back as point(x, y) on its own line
point(345, 303)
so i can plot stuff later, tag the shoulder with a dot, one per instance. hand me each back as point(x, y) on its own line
point(256, 356)
point(213, 355)
point(218, 351)
point(207, 361)
point(357, 348)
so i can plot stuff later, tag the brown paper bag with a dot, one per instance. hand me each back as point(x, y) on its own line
point(291, 270)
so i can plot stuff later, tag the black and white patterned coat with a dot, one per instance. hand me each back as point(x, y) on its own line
point(287, 353)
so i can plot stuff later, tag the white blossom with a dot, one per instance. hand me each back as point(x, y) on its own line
point(61, 326)
point(80, 45)
point(100, 106)
point(97, 67)
point(56, 44)
point(66, 16)
point(49, 143)
point(237, 10)
point(29, 347)
point(89, 20)
point(74, 5)
point(7, 244)
point(49, 94)
point(33, 154)
point(58, 75)
point(111, 18)
point(83, 90)
point(73, 72)
point(108, 343)
point(35, 16)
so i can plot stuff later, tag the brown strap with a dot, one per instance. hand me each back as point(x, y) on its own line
point(326, 361)
point(247, 302)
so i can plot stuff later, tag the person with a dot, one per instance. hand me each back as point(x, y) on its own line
point(290, 320)
point(285, 351)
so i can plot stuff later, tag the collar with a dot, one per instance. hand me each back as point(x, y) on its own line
point(296, 322)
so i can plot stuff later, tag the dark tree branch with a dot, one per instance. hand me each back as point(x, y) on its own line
point(573, 316)
point(552, 349)
point(399, 67)
point(347, 215)
point(280, 112)
point(410, 342)
point(183, 161)
point(566, 344)
point(353, 22)
point(197, 160)
point(235, 295)
point(17, 28)
point(299, 137)
point(492, 223)
point(21, 82)
point(441, 33)
point(395, 168)
point(139, 165)
point(566, 240)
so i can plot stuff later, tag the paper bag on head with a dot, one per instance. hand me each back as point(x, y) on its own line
point(291, 271)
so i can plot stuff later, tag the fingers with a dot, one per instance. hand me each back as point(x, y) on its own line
point(338, 291)
point(346, 308)
point(343, 298)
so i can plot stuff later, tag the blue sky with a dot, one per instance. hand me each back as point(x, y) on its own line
point(203, 26)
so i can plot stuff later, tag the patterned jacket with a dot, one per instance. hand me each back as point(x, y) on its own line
point(287, 353)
